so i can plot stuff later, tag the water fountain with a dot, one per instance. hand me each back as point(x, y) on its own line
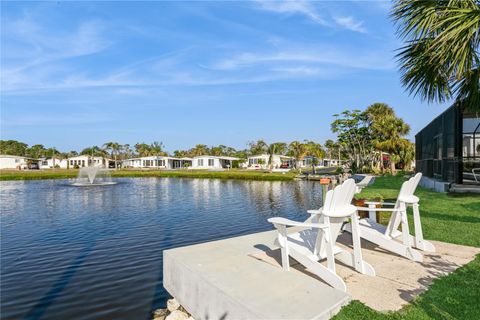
point(93, 176)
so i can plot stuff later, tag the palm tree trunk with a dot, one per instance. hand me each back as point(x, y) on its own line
point(392, 167)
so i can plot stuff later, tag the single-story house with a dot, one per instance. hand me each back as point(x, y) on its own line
point(332, 162)
point(157, 162)
point(87, 161)
point(44, 163)
point(307, 161)
point(213, 162)
point(15, 162)
point(259, 162)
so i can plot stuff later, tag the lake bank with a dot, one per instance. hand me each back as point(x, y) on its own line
point(7, 175)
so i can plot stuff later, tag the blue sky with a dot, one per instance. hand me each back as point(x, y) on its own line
point(76, 74)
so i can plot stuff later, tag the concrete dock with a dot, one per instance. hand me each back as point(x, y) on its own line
point(224, 280)
point(241, 278)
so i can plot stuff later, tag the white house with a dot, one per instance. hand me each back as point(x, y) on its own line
point(13, 162)
point(87, 161)
point(158, 162)
point(332, 162)
point(259, 162)
point(44, 163)
point(213, 162)
point(307, 162)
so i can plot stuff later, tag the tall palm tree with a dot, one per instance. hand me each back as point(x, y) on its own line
point(441, 57)
point(258, 147)
point(297, 150)
point(275, 148)
point(114, 148)
point(199, 150)
point(314, 150)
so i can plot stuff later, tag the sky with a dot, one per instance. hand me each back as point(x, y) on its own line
point(77, 74)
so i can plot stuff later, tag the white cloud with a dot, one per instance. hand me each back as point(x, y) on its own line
point(328, 56)
point(301, 70)
point(350, 23)
point(293, 7)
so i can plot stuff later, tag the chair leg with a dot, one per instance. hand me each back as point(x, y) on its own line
point(420, 243)
point(329, 245)
point(418, 228)
point(357, 246)
point(405, 227)
point(282, 234)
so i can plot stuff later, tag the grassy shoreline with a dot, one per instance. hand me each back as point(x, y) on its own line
point(8, 175)
point(453, 218)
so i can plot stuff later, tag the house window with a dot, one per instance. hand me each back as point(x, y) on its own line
point(44, 163)
point(210, 162)
point(83, 163)
point(200, 162)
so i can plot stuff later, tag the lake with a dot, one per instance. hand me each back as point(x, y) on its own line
point(96, 252)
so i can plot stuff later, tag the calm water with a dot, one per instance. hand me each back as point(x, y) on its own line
point(96, 253)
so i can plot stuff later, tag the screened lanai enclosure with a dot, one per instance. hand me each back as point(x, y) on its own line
point(448, 148)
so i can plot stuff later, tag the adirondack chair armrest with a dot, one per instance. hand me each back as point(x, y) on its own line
point(289, 223)
point(315, 212)
point(377, 209)
point(380, 203)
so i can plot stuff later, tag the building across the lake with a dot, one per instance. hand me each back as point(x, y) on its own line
point(16, 162)
point(88, 161)
point(157, 162)
point(51, 163)
point(213, 162)
point(448, 149)
point(260, 162)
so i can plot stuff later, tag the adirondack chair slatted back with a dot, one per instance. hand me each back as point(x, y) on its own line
point(408, 189)
point(340, 206)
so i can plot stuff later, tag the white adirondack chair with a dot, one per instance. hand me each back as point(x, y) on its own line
point(316, 239)
point(390, 237)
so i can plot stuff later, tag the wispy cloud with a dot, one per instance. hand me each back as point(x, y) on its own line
point(34, 52)
point(309, 10)
point(290, 7)
point(329, 56)
point(350, 23)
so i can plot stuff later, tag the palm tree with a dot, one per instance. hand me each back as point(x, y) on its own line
point(156, 149)
point(387, 131)
point(297, 150)
point(142, 149)
point(257, 147)
point(199, 150)
point(406, 153)
point(441, 57)
point(314, 150)
point(114, 148)
point(275, 148)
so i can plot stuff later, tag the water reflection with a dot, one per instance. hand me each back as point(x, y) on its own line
point(81, 253)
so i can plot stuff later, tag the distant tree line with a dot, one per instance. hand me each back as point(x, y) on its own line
point(363, 138)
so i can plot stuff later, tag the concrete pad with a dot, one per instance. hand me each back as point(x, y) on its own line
point(398, 280)
point(242, 278)
point(221, 280)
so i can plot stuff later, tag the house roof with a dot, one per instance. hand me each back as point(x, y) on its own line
point(217, 157)
point(15, 157)
point(266, 155)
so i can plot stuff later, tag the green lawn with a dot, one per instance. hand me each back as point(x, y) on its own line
point(228, 174)
point(445, 217)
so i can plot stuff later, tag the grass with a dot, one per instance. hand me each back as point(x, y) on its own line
point(228, 174)
point(445, 217)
